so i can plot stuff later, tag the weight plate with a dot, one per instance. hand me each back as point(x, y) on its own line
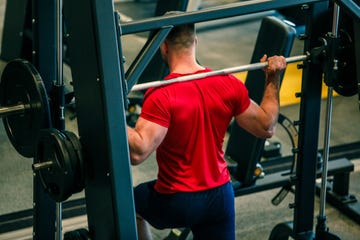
point(74, 162)
point(58, 179)
point(282, 231)
point(346, 83)
point(78, 162)
point(22, 84)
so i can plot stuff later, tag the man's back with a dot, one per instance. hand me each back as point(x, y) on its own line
point(197, 114)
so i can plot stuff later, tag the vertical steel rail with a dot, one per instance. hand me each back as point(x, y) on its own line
point(59, 86)
point(328, 119)
point(330, 74)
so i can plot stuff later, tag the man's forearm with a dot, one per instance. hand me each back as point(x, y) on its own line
point(134, 139)
point(270, 101)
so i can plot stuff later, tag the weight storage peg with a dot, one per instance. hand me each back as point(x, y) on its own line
point(59, 163)
point(24, 105)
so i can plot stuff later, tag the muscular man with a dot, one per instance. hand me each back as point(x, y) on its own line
point(186, 123)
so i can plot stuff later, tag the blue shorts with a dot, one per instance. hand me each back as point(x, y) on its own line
point(210, 214)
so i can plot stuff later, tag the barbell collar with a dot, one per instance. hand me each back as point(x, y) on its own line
point(12, 110)
point(242, 68)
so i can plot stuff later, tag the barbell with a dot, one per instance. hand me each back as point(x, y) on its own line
point(24, 105)
point(242, 68)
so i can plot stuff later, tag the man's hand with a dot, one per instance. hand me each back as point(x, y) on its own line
point(276, 65)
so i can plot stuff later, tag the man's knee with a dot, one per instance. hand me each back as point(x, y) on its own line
point(143, 228)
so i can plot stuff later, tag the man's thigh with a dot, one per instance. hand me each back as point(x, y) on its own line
point(215, 206)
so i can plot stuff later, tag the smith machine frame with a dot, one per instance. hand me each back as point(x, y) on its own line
point(96, 66)
point(100, 84)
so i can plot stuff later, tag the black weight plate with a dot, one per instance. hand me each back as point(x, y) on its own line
point(78, 165)
point(73, 162)
point(21, 83)
point(58, 180)
point(346, 84)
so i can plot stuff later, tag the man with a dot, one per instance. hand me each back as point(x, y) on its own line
point(186, 123)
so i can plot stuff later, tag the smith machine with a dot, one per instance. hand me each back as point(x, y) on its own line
point(99, 161)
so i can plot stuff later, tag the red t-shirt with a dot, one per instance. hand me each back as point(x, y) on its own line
point(197, 114)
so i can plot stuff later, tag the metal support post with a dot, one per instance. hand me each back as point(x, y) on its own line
point(93, 45)
point(44, 59)
point(309, 127)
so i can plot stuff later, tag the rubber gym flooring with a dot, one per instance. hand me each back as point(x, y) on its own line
point(255, 215)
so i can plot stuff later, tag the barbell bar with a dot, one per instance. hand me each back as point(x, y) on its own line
point(242, 68)
point(24, 104)
point(12, 110)
point(21, 107)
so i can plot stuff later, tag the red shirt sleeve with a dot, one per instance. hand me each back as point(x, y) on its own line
point(242, 101)
point(156, 107)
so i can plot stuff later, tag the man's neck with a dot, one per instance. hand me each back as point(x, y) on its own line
point(184, 65)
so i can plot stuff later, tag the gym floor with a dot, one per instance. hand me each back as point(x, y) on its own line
point(255, 215)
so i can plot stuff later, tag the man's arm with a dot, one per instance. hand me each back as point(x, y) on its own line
point(261, 120)
point(144, 139)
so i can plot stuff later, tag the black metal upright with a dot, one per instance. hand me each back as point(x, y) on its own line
point(44, 59)
point(98, 86)
point(309, 125)
point(14, 34)
point(44, 40)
